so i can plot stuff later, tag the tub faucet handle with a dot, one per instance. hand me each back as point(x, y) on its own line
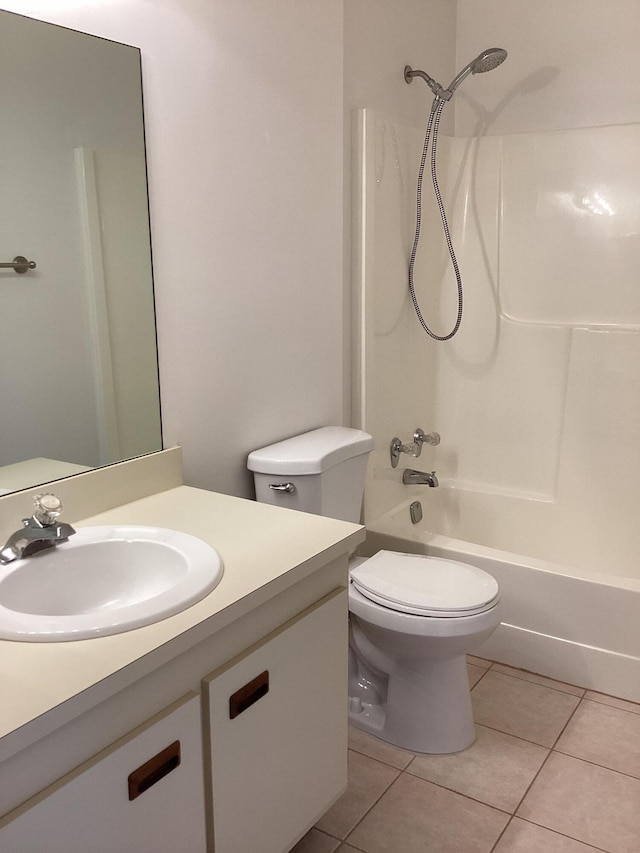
point(414, 449)
point(420, 437)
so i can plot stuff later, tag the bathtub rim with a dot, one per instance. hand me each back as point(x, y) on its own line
point(398, 518)
point(581, 630)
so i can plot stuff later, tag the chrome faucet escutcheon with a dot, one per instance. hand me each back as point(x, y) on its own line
point(39, 532)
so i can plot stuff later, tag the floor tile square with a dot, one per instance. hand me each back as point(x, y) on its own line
point(415, 816)
point(367, 744)
point(368, 779)
point(523, 837)
point(497, 769)
point(589, 803)
point(522, 708)
point(604, 735)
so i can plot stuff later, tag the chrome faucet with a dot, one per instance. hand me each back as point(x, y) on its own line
point(42, 530)
point(419, 478)
point(414, 449)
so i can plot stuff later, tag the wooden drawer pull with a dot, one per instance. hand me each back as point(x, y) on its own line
point(247, 695)
point(153, 770)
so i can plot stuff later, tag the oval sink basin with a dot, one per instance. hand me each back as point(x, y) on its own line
point(105, 580)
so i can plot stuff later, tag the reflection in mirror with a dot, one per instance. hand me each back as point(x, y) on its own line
point(78, 361)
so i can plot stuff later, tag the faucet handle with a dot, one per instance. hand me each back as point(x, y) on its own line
point(420, 437)
point(47, 508)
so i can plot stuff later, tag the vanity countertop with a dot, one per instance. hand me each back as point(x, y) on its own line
point(265, 551)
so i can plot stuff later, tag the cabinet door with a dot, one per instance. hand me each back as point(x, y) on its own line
point(145, 793)
point(276, 722)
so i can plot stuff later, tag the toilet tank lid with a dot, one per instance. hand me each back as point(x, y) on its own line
point(312, 452)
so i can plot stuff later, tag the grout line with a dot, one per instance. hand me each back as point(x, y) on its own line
point(327, 835)
point(517, 737)
point(571, 716)
point(594, 698)
point(538, 684)
point(372, 806)
point(596, 764)
point(530, 785)
point(613, 707)
point(481, 677)
point(549, 753)
point(380, 761)
point(563, 834)
point(361, 849)
point(375, 803)
point(507, 825)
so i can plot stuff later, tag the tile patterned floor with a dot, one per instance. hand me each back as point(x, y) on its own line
point(554, 769)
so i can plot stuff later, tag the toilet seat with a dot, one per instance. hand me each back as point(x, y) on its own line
point(425, 586)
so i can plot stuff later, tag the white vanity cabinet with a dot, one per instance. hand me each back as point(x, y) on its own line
point(251, 682)
point(144, 794)
point(247, 760)
point(275, 728)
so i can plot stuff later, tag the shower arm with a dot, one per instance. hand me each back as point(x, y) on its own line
point(436, 88)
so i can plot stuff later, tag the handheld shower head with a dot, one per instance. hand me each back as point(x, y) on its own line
point(488, 60)
point(485, 61)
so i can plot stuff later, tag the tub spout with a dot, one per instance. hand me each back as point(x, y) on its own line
point(410, 477)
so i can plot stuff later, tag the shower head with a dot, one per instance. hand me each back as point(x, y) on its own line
point(486, 61)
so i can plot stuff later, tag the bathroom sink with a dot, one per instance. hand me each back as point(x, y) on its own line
point(105, 580)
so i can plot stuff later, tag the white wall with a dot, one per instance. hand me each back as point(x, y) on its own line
point(381, 37)
point(243, 102)
point(573, 63)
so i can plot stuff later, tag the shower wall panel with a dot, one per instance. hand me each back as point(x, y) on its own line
point(570, 248)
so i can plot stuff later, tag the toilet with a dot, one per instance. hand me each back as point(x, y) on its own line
point(412, 618)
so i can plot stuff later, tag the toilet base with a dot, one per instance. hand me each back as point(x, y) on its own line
point(427, 708)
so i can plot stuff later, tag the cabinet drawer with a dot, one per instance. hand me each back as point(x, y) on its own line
point(276, 726)
point(144, 793)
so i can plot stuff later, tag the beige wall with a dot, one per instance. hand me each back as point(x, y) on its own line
point(243, 105)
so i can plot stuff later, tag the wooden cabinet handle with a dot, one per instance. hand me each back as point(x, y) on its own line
point(249, 694)
point(153, 770)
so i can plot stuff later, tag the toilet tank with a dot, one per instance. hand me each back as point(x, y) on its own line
point(322, 471)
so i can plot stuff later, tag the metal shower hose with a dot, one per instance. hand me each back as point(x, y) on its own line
point(433, 124)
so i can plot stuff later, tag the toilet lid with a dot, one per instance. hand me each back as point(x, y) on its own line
point(425, 586)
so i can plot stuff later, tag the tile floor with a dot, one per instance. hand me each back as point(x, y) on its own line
point(554, 769)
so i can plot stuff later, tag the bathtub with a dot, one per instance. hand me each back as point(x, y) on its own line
point(574, 625)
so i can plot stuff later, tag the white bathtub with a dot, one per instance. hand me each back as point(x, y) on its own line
point(576, 626)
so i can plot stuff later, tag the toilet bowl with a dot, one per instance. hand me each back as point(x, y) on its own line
point(413, 620)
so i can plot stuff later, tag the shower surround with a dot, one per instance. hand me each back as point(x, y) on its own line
point(537, 398)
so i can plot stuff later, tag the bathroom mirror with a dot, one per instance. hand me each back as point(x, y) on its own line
point(78, 357)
